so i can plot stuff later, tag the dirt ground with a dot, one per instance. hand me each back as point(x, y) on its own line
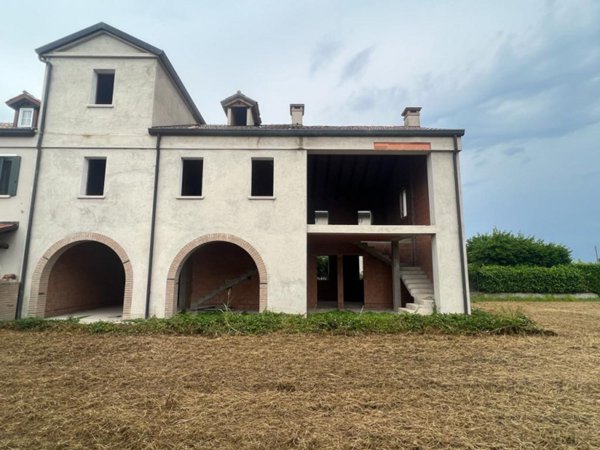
point(307, 391)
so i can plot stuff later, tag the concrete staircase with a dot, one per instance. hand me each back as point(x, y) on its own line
point(228, 284)
point(421, 289)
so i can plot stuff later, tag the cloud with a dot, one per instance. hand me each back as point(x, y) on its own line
point(323, 55)
point(357, 65)
point(510, 151)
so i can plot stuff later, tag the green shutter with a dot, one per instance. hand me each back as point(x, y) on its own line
point(13, 180)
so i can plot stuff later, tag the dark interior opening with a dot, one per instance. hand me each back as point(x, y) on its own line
point(87, 276)
point(354, 291)
point(191, 181)
point(240, 117)
point(218, 275)
point(5, 171)
point(95, 177)
point(262, 178)
point(105, 83)
point(327, 285)
point(342, 185)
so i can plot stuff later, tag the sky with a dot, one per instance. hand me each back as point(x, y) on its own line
point(521, 77)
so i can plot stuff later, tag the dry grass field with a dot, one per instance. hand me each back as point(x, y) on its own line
point(74, 390)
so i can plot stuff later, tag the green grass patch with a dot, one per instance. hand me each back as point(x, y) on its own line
point(476, 298)
point(337, 322)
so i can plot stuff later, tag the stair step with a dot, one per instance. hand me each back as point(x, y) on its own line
point(418, 309)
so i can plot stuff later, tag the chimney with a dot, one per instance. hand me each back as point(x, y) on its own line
point(297, 111)
point(412, 116)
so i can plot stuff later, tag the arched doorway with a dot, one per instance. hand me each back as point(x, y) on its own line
point(82, 273)
point(215, 271)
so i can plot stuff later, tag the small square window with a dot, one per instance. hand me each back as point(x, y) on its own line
point(403, 204)
point(9, 174)
point(25, 118)
point(95, 173)
point(105, 84)
point(191, 177)
point(262, 178)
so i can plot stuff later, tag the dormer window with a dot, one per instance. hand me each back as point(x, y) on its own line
point(239, 116)
point(26, 108)
point(241, 110)
point(25, 118)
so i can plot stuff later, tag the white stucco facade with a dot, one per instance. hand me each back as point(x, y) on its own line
point(142, 206)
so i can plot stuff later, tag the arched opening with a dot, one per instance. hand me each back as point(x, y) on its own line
point(86, 276)
point(216, 275)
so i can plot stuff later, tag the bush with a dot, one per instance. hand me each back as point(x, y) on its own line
point(591, 275)
point(503, 248)
point(569, 279)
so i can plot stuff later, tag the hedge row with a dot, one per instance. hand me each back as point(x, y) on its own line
point(566, 279)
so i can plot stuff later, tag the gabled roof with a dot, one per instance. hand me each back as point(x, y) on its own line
point(239, 99)
point(24, 99)
point(102, 27)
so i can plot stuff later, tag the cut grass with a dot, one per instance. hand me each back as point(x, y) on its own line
point(79, 390)
point(337, 322)
point(481, 297)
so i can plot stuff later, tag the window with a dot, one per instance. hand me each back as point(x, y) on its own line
point(105, 83)
point(95, 173)
point(262, 178)
point(403, 204)
point(191, 178)
point(322, 268)
point(9, 174)
point(239, 116)
point(25, 118)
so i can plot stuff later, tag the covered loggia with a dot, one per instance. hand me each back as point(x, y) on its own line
point(391, 188)
point(216, 275)
point(85, 276)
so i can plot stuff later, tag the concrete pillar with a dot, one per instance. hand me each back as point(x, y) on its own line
point(340, 281)
point(396, 286)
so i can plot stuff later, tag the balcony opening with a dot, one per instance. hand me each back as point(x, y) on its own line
point(368, 189)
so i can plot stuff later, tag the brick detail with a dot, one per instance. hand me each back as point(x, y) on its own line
point(312, 282)
point(421, 146)
point(424, 255)
point(9, 290)
point(377, 278)
point(188, 249)
point(211, 265)
point(43, 269)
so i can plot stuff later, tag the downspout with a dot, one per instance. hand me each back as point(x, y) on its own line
point(459, 217)
point(152, 226)
point(38, 161)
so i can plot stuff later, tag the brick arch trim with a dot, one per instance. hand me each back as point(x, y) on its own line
point(188, 249)
point(41, 275)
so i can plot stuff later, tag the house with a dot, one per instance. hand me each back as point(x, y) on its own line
point(116, 193)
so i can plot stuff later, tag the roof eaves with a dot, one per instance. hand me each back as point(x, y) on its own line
point(308, 132)
point(17, 132)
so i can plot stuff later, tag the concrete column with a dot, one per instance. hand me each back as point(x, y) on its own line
point(396, 286)
point(340, 281)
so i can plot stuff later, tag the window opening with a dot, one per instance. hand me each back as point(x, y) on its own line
point(323, 268)
point(262, 177)
point(25, 118)
point(9, 174)
point(240, 116)
point(96, 172)
point(105, 83)
point(191, 179)
point(403, 204)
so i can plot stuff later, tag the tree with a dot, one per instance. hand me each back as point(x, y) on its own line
point(504, 248)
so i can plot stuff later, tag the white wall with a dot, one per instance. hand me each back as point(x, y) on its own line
point(275, 228)
point(16, 208)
